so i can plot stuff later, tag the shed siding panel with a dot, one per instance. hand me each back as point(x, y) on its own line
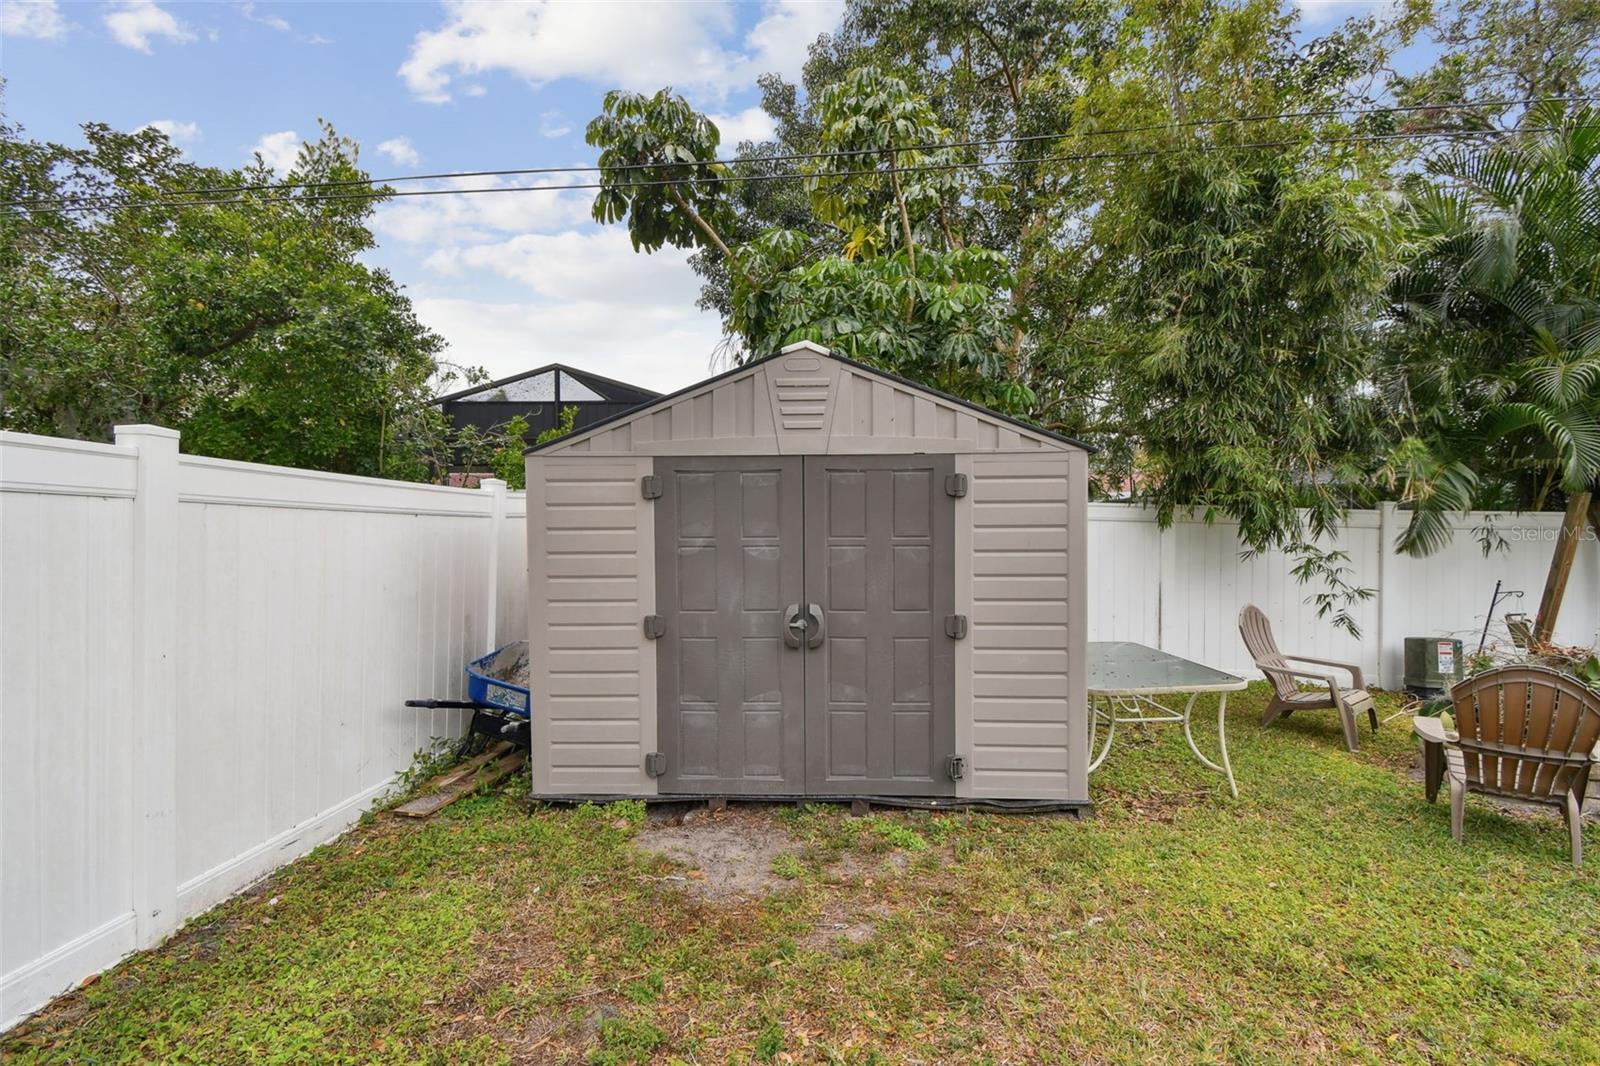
point(1027, 705)
point(591, 580)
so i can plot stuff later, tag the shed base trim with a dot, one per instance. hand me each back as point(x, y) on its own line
point(1082, 808)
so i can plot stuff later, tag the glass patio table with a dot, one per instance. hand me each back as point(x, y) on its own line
point(1125, 681)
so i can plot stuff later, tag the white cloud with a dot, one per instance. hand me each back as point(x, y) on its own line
point(317, 38)
point(482, 217)
point(596, 303)
point(276, 22)
point(664, 352)
point(780, 42)
point(634, 45)
point(554, 124)
point(1323, 11)
point(177, 132)
point(400, 150)
point(576, 266)
point(134, 22)
point(280, 150)
point(751, 124)
point(40, 19)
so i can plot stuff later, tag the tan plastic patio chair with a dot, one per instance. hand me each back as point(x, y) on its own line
point(1288, 697)
point(1523, 732)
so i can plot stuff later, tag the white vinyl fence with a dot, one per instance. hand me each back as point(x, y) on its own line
point(203, 663)
point(1181, 588)
point(202, 673)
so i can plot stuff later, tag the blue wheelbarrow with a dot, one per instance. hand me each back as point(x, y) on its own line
point(501, 708)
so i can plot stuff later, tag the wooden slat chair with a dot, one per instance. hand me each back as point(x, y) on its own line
point(1287, 695)
point(1522, 732)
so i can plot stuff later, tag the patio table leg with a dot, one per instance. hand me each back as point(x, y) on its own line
point(1226, 766)
point(1222, 741)
point(1111, 732)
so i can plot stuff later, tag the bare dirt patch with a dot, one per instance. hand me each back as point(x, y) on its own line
point(1156, 806)
point(842, 924)
point(728, 853)
point(868, 867)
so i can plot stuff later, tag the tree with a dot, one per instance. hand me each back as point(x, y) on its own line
point(658, 170)
point(1494, 365)
point(1237, 266)
point(859, 282)
point(1498, 50)
point(987, 70)
point(943, 324)
point(140, 287)
point(879, 172)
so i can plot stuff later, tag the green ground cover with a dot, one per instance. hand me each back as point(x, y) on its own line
point(1325, 914)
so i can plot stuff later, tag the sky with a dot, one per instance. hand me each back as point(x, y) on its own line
point(511, 280)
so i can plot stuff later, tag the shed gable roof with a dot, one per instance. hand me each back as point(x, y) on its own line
point(807, 400)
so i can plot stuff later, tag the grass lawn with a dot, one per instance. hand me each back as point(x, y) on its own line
point(1325, 914)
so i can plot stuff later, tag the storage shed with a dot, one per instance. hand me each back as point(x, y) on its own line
point(806, 577)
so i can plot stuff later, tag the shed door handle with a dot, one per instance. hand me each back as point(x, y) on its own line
point(817, 626)
point(794, 627)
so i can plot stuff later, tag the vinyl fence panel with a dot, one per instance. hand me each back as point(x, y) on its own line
point(203, 669)
point(1181, 588)
point(66, 667)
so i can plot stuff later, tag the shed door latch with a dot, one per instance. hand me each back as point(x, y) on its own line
point(955, 626)
point(655, 763)
point(655, 627)
point(650, 487)
point(955, 485)
point(955, 767)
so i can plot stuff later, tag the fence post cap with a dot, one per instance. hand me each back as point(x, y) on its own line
point(143, 429)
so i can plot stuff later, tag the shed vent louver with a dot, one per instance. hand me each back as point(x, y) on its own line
point(802, 395)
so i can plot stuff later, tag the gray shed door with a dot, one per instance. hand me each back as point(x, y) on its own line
point(804, 605)
point(880, 705)
point(728, 563)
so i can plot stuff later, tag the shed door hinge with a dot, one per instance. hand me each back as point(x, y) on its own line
point(955, 485)
point(655, 763)
point(955, 767)
point(650, 487)
point(655, 627)
point(955, 626)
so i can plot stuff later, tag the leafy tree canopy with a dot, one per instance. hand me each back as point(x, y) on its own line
point(1493, 365)
point(659, 171)
point(1178, 242)
point(1237, 265)
point(248, 323)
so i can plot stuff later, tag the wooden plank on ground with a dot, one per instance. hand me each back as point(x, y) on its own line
point(500, 761)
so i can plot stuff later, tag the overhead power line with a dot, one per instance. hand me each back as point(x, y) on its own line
point(793, 157)
point(95, 203)
point(236, 190)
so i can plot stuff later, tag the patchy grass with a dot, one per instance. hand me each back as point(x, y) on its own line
point(1325, 914)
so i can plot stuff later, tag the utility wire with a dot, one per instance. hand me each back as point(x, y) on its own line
point(923, 147)
point(234, 190)
point(90, 204)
